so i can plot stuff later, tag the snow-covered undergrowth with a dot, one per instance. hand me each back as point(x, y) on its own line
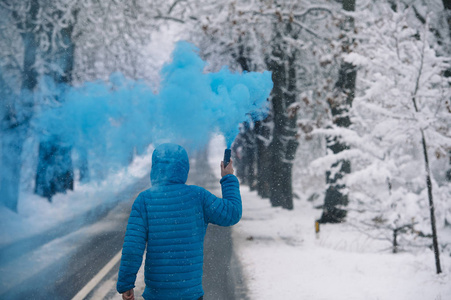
point(283, 258)
point(36, 215)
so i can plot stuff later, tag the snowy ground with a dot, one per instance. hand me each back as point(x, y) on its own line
point(283, 258)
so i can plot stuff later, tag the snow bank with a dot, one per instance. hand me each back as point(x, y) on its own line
point(283, 258)
point(36, 214)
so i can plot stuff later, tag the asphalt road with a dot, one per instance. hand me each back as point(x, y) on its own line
point(221, 278)
point(63, 265)
point(75, 258)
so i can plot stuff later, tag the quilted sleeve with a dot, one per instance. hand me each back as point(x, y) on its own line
point(225, 211)
point(134, 245)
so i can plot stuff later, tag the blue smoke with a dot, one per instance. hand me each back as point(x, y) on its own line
point(109, 122)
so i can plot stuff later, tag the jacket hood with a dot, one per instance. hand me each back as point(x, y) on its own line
point(170, 165)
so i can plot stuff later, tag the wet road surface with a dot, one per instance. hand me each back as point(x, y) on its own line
point(62, 265)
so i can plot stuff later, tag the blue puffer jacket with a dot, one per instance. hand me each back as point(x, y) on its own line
point(171, 218)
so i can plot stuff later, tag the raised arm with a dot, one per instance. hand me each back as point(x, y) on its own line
point(225, 211)
point(134, 245)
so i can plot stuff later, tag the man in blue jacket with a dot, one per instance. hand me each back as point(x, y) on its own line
point(171, 218)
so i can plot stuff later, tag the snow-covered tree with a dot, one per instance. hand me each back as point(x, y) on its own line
point(400, 126)
point(69, 41)
point(285, 37)
point(21, 30)
point(340, 103)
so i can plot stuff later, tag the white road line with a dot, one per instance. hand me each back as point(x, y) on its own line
point(94, 281)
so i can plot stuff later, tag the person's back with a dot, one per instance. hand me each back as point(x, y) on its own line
point(171, 218)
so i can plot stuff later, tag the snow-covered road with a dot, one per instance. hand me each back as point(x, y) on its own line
point(222, 272)
point(77, 256)
point(62, 260)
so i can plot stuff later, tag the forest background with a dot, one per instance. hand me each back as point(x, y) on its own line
point(359, 115)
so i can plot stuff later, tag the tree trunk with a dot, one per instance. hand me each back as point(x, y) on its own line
point(83, 166)
point(12, 139)
point(237, 153)
point(12, 143)
point(284, 143)
point(427, 169)
point(345, 89)
point(395, 241)
point(248, 158)
point(55, 170)
point(16, 123)
point(447, 6)
point(263, 135)
point(431, 205)
point(248, 144)
point(448, 173)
